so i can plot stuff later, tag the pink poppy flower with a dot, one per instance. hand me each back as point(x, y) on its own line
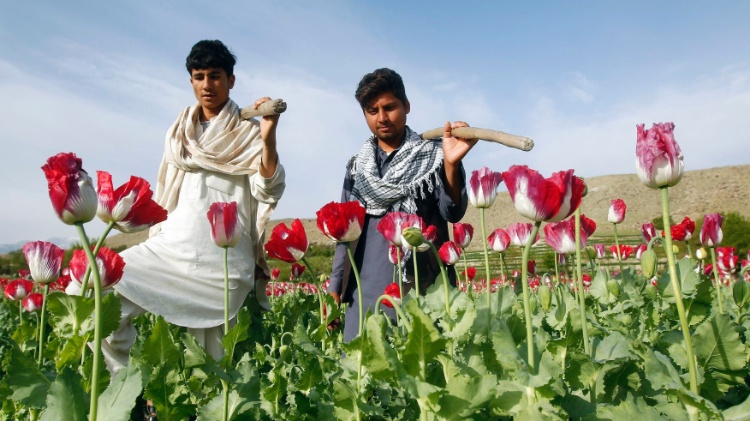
point(449, 253)
point(689, 227)
point(462, 234)
point(499, 240)
point(130, 207)
point(616, 211)
point(288, 245)
point(341, 222)
point(625, 251)
point(519, 233)
point(33, 302)
point(639, 250)
point(483, 187)
point(658, 156)
point(543, 199)
point(297, 270)
point(392, 291)
point(391, 225)
point(110, 266)
point(18, 289)
point(70, 189)
point(275, 273)
point(648, 231)
point(601, 251)
point(45, 261)
point(225, 227)
point(395, 254)
point(711, 234)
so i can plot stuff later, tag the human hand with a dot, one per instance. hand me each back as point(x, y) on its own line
point(267, 123)
point(456, 148)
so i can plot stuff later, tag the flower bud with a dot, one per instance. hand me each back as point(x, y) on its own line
point(614, 287)
point(591, 252)
point(413, 236)
point(648, 263)
point(675, 249)
point(701, 253)
point(285, 353)
point(650, 292)
point(545, 296)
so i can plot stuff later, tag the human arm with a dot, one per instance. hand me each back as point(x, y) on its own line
point(268, 125)
point(454, 151)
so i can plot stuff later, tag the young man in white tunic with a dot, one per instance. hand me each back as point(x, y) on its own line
point(210, 155)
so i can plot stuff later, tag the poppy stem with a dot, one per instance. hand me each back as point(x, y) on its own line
point(99, 243)
point(717, 281)
point(317, 290)
point(579, 277)
point(42, 321)
point(445, 281)
point(487, 269)
point(526, 298)
point(678, 291)
point(94, 402)
point(619, 259)
point(359, 289)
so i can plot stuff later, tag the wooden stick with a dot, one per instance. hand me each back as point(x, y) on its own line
point(511, 140)
point(272, 107)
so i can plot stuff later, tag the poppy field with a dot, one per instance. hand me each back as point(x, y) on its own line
point(654, 326)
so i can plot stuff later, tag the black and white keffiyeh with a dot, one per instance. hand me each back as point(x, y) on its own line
point(412, 170)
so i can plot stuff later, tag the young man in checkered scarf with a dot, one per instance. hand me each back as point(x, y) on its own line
point(396, 170)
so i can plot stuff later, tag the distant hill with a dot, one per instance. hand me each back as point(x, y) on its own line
point(723, 189)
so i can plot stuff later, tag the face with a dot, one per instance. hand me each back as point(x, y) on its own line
point(386, 118)
point(211, 88)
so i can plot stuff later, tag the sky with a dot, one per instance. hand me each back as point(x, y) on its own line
point(106, 79)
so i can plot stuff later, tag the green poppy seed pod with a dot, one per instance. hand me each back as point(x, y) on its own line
point(545, 296)
point(648, 263)
point(285, 353)
point(701, 253)
point(532, 305)
point(675, 249)
point(591, 252)
point(650, 292)
point(614, 287)
point(413, 236)
point(741, 293)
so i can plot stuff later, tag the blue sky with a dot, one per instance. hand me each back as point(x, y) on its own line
point(105, 80)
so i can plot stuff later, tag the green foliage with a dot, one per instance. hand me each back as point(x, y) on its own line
point(736, 230)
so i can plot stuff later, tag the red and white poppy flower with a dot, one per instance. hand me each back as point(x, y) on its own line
point(341, 222)
point(288, 244)
point(70, 189)
point(543, 199)
point(45, 261)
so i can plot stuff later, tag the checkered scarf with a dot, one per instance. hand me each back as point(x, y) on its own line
point(413, 170)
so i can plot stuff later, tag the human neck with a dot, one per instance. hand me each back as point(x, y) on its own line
point(389, 145)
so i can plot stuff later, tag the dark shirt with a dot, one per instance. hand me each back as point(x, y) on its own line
point(371, 254)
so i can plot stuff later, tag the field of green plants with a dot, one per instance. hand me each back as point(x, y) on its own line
point(654, 325)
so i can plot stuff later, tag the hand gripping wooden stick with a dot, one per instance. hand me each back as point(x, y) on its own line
point(511, 140)
point(272, 107)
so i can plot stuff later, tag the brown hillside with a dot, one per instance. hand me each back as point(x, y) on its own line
point(713, 190)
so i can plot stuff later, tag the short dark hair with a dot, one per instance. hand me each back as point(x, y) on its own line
point(210, 53)
point(377, 83)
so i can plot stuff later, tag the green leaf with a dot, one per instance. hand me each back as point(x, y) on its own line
point(599, 289)
point(625, 410)
point(167, 391)
point(66, 400)
point(111, 313)
point(68, 313)
point(345, 400)
point(70, 355)
point(613, 347)
point(378, 355)
point(159, 348)
point(237, 334)
point(424, 342)
point(117, 400)
point(660, 371)
point(28, 384)
point(465, 393)
point(244, 395)
point(718, 345)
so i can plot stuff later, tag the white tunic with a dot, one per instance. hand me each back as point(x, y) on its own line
point(179, 273)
